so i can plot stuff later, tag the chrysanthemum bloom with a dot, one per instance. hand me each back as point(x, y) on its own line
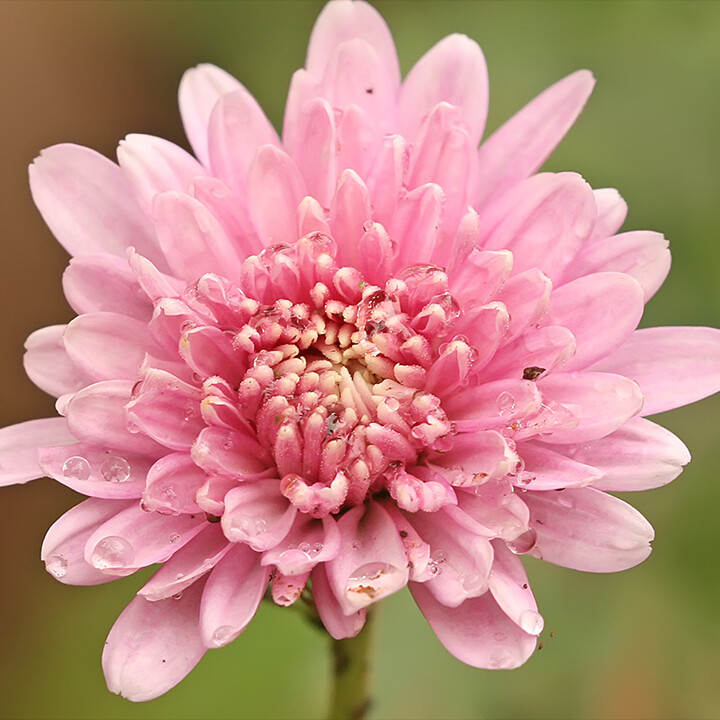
point(361, 357)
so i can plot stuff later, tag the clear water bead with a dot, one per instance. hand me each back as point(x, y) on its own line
point(505, 403)
point(523, 543)
point(56, 565)
point(531, 622)
point(112, 552)
point(76, 468)
point(115, 469)
point(244, 525)
point(223, 635)
point(472, 582)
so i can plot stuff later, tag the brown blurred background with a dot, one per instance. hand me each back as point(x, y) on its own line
point(642, 644)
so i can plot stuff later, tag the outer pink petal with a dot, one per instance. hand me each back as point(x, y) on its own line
point(336, 622)
point(673, 366)
point(345, 20)
point(643, 255)
point(639, 456)
point(544, 221)
point(172, 485)
point(96, 471)
point(200, 88)
point(611, 213)
point(371, 563)
point(275, 188)
point(601, 402)
point(188, 564)
point(232, 595)
point(108, 346)
point(453, 71)
point(477, 632)
point(135, 538)
point(520, 146)
point(19, 462)
point(155, 165)
point(95, 283)
point(87, 202)
point(238, 127)
point(550, 469)
point(600, 310)
point(48, 364)
point(191, 237)
point(64, 544)
point(585, 529)
point(416, 225)
point(153, 645)
point(96, 415)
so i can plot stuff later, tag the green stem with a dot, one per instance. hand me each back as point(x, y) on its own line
point(350, 692)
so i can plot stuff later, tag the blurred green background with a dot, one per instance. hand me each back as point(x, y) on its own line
point(639, 644)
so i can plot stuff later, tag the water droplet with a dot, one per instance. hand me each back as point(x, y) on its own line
point(501, 661)
point(76, 468)
point(523, 543)
point(180, 576)
point(369, 579)
point(174, 538)
point(112, 552)
point(531, 622)
point(145, 507)
point(244, 525)
point(228, 444)
point(304, 546)
point(116, 469)
point(223, 635)
point(177, 596)
point(438, 555)
point(505, 403)
point(472, 582)
point(315, 548)
point(56, 565)
point(434, 568)
point(260, 527)
point(190, 412)
point(293, 561)
point(500, 636)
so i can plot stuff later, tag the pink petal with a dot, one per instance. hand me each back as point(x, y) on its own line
point(238, 127)
point(461, 558)
point(19, 462)
point(64, 545)
point(520, 146)
point(192, 238)
point(611, 213)
point(639, 456)
point(386, 177)
point(188, 564)
point(232, 595)
point(355, 76)
point(349, 213)
point(236, 454)
point(153, 645)
point(155, 165)
point(96, 471)
point(274, 190)
point(477, 632)
point(479, 278)
point(166, 409)
point(642, 254)
point(527, 298)
point(303, 89)
point(48, 364)
point(453, 71)
point(551, 469)
point(96, 415)
point(107, 346)
point(510, 589)
point(673, 366)
point(135, 538)
point(544, 221)
point(493, 509)
point(257, 514)
point(317, 138)
point(87, 202)
point(345, 20)
point(336, 622)
point(585, 529)
point(358, 141)
point(416, 225)
point(600, 310)
point(371, 563)
point(172, 485)
point(200, 89)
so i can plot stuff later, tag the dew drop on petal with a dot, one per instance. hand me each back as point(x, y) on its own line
point(501, 660)
point(177, 596)
point(244, 525)
point(369, 579)
point(174, 538)
point(56, 565)
point(531, 622)
point(260, 527)
point(223, 635)
point(76, 468)
point(505, 403)
point(523, 543)
point(112, 552)
point(472, 582)
point(116, 469)
point(500, 636)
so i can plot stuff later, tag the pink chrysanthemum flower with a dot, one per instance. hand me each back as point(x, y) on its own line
point(361, 357)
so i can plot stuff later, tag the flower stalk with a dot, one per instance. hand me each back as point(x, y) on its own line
point(351, 675)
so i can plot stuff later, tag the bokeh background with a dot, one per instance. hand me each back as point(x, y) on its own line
point(639, 644)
